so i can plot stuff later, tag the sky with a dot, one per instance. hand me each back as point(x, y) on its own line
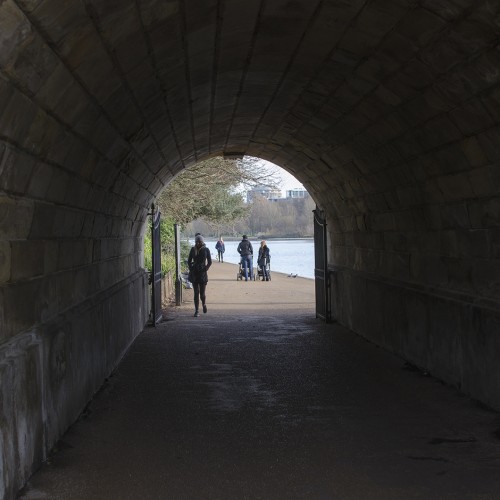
point(289, 181)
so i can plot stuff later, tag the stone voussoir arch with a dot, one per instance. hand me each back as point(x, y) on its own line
point(387, 112)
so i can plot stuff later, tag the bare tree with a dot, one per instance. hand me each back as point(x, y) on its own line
point(210, 189)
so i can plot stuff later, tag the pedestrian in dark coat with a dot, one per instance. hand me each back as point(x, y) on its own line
point(199, 262)
point(245, 249)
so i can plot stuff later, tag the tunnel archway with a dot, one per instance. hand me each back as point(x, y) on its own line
point(387, 112)
point(245, 197)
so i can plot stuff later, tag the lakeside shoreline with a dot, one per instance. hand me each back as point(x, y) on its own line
point(294, 256)
point(285, 275)
point(251, 238)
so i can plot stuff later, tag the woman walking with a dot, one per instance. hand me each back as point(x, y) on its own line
point(199, 262)
point(263, 258)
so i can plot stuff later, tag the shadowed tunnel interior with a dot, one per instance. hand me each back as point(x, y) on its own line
point(386, 110)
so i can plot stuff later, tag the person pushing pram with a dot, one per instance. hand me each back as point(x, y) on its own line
point(245, 250)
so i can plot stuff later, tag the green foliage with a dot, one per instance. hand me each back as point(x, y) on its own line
point(167, 238)
point(223, 206)
point(148, 245)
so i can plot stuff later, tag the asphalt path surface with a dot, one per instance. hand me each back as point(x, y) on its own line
point(257, 399)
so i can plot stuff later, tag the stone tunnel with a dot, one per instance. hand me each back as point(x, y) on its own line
point(387, 111)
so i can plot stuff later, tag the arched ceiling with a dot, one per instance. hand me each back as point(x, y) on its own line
point(372, 104)
point(387, 111)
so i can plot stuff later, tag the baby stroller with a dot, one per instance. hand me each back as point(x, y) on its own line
point(240, 275)
point(260, 271)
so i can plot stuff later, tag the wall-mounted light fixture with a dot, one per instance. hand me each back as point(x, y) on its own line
point(233, 156)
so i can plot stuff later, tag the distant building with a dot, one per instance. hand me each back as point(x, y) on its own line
point(265, 192)
point(275, 194)
point(297, 193)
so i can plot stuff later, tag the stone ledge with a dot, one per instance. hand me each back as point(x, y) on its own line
point(487, 303)
point(54, 368)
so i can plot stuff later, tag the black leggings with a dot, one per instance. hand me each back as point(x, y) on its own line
point(199, 292)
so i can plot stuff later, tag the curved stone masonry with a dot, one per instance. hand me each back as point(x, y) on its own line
point(387, 112)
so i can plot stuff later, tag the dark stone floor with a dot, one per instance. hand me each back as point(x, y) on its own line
point(271, 406)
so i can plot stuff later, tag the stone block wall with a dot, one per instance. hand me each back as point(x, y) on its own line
point(52, 370)
point(452, 336)
point(72, 299)
point(387, 112)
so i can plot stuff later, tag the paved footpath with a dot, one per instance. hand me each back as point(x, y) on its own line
point(259, 400)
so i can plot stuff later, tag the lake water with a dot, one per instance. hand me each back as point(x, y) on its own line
point(289, 256)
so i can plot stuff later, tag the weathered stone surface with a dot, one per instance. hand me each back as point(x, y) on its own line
point(471, 118)
point(27, 259)
point(388, 112)
point(79, 350)
point(479, 349)
point(74, 253)
point(16, 170)
point(455, 215)
point(15, 217)
point(473, 152)
point(455, 187)
point(5, 261)
point(8, 480)
point(485, 213)
point(17, 117)
point(15, 30)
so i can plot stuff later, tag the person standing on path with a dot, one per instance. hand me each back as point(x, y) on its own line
point(199, 262)
point(245, 249)
point(263, 258)
point(221, 248)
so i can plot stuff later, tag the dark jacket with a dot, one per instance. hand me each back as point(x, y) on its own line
point(245, 248)
point(199, 261)
point(220, 246)
point(264, 256)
